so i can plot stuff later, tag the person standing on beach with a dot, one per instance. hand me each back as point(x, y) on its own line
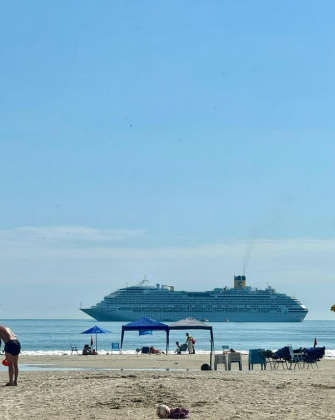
point(189, 342)
point(12, 350)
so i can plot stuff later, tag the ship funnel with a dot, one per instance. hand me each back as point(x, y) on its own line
point(239, 282)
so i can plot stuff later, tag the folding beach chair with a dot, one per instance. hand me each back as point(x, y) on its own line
point(268, 355)
point(295, 358)
point(183, 348)
point(313, 355)
point(115, 347)
point(73, 349)
point(309, 361)
point(281, 358)
point(276, 359)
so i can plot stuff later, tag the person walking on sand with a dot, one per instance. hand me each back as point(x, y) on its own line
point(189, 342)
point(12, 350)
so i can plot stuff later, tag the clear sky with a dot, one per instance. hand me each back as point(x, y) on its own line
point(184, 140)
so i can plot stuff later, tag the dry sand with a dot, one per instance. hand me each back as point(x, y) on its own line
point(135, 394)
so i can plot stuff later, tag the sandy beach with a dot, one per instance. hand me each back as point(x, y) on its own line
point(127, 391)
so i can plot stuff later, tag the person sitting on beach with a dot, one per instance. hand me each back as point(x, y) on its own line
point(87, 350)
point(94, 352)
point(155, 351)
point(12, 350)
point(178, 348)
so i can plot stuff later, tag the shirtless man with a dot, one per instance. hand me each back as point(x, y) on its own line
point(12, 351)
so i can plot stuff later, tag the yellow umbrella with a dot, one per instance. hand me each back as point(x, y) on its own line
point(333, 308)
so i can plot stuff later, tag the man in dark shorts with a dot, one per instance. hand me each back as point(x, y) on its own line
point(12, 351)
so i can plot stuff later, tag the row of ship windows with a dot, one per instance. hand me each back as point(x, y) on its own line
point(240, 314)
point(199, 294)
point(175, 305)
point(253, 301)
point(190, 307)
point(203, 295)
point(199, 297)
point(239, 310)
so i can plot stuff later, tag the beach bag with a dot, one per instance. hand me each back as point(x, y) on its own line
point(193, 341)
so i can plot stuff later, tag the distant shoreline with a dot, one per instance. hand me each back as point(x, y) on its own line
point(130, 361)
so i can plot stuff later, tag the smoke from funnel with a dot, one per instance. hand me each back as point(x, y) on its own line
point(247, 256)
point(254, 234)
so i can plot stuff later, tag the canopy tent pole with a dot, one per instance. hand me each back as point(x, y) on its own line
point(212, 349)
point(167, 341)
point(122, 335)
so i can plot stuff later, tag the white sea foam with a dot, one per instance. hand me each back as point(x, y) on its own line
point(329, 354)
point(67, 352)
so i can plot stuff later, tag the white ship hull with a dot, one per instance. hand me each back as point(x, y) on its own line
point(176, 316)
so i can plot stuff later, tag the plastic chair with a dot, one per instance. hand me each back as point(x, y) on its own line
point(221, 358)
point(256, 357)
point(235, 358)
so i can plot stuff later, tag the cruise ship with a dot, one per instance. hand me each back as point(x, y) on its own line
point(241, 303)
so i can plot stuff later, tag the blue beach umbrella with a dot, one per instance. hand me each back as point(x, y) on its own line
point(96, 330)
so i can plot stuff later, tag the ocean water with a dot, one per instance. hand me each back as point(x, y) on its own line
point(45, 336)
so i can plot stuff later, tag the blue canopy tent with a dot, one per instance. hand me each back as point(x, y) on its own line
point(146, 324)
point(96, 330)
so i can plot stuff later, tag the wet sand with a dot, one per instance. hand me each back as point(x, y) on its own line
point(135, 394)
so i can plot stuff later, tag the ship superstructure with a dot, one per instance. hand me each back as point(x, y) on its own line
point(163, 303)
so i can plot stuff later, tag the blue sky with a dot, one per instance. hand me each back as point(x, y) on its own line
point(181, 140)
